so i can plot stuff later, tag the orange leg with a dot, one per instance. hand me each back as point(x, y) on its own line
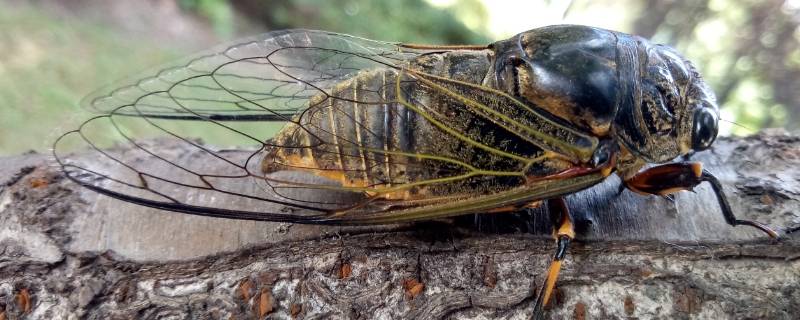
point(563, 232)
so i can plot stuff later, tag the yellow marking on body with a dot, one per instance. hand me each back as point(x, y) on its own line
point(358, 183)
point(582, 153)
point(377, 190)
point(422, 197)
point(310, 165)
point(303, 162)
point(389, 191)
point(542, 190)
point(336, 175)
point(546, 155)
point(449, 130)
point(307, 161)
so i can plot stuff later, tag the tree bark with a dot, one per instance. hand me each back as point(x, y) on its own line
point(69, 253)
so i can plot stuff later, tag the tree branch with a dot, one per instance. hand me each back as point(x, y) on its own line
point(67, 252)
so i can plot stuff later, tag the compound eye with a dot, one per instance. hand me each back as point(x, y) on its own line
point(704, 128)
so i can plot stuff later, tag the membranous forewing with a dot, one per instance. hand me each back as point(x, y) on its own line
point(330, 129)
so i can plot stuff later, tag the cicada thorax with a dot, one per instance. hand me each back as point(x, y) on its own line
point(570, 72)
point(606, 83)
point(395, 133)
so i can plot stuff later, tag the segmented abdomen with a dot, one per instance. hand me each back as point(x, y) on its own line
point(356, 134)
point(362, 133)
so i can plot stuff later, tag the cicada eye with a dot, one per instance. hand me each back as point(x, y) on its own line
point(704, 128)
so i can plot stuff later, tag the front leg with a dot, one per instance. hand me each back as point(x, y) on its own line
point(669, 178)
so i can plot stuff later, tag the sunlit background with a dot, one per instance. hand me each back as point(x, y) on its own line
point(54, 52)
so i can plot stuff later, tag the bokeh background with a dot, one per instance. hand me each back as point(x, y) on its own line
point(52, 52)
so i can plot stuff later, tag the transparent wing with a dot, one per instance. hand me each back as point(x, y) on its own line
point(328, 128)
point(266, 77)
point(238, 95)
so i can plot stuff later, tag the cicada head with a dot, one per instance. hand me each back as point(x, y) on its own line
point(678, 111)
point(698, 113)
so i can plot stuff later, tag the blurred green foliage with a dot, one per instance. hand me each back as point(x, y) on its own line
point(218, 12)
point(413, 21)
point(47, 65)
point(747, 50)
point(52, 56)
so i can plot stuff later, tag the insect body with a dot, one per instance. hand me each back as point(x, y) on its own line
point(439, 139)
point(383, 133)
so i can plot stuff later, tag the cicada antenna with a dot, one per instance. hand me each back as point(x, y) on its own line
point(567, 9)
point(737, 124)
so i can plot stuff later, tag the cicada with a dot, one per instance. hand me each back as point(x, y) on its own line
point(379, 133)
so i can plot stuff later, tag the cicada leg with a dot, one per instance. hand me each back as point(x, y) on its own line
point(563, 232)
point(669, 178)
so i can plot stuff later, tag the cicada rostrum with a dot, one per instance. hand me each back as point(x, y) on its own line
point(377, 133)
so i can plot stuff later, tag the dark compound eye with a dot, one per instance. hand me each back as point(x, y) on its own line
point(704, 129)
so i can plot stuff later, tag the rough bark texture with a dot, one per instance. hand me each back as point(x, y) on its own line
point(68, 253)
